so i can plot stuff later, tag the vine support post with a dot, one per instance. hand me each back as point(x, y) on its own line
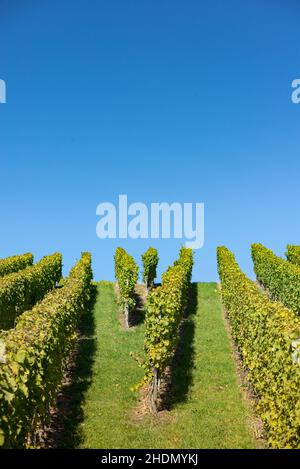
point(126, 314)
point(154, 392)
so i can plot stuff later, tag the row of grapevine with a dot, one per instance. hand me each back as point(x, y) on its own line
point(280, 277)
point(15, 263)
point(21, 290)
point(150, 260)
point(164, 310)
point(268, 336)
point(33, 354)
point(126, 273)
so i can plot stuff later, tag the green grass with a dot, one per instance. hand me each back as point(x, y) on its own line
point(207, 409)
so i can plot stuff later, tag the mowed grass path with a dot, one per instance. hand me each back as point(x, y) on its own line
point(207, 409)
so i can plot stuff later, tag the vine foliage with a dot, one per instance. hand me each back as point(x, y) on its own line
point(268, 336)
point(15, 263)
point(150, 260)
point(19, 291)
point(164, 310)
point(126, 273)
point(293, 254)
point(32, 357)
point(279, 277)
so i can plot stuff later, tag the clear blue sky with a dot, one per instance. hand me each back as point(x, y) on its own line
point(161, 100)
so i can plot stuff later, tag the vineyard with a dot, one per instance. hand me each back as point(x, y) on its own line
point(142, 364)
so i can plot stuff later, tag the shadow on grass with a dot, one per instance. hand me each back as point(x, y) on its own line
point(180, 375)
point(64, 431)
point(137, 316)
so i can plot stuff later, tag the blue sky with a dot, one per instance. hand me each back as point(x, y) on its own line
point(186, 101)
